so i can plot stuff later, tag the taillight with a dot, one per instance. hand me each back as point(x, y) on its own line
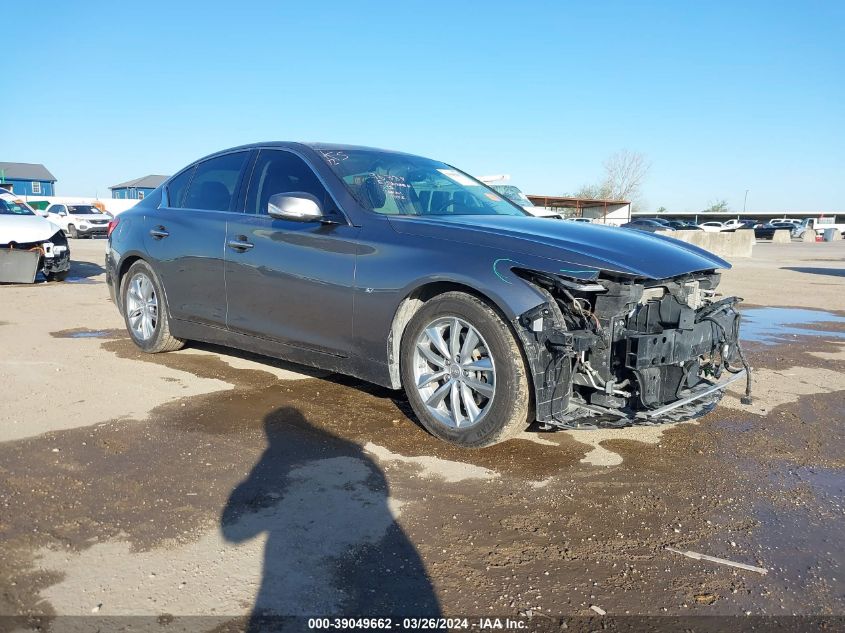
point(112, 225)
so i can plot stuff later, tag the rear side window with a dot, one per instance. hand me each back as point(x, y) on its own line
point(278, 171)
point(151, 201)
point(176, 188)
point(214, 182)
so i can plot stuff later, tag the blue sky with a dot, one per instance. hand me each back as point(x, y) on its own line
point(721, 96)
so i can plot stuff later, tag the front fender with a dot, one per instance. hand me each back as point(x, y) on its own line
point(492, 276)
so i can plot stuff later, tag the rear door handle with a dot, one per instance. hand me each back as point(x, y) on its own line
point(159, 232)
point(240, 244)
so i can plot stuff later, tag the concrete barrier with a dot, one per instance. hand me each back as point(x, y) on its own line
point(809, 235)
point(782, 236)
point(728, 245)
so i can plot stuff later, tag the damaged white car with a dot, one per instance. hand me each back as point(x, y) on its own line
point(29, 244)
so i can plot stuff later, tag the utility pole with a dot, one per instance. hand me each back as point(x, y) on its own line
point(745, 200)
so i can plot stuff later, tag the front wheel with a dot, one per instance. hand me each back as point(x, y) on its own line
point(464, 372)
point(72, 232)
point(145, 311)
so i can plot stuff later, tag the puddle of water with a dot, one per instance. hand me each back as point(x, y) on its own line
point(89, 334)
point(770, 326)
point(827, 483)
point(80, 280)
point(799, 536)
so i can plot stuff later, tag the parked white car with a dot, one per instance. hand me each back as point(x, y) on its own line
point(712, 227)
point(733, 223)
point(21, 229)
point(79, 220)
point(819, 225)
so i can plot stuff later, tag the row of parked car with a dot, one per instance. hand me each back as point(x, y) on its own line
point(762, 230)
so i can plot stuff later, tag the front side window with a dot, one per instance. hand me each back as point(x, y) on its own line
point(402, 184)
point(278, 171)
point(214, 182)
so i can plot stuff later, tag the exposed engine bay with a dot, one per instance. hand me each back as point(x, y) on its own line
point(630, 352)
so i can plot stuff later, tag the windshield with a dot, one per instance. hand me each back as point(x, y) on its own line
point(513, 193)
point(9, 207)
point(401, 184)
point(84, 209)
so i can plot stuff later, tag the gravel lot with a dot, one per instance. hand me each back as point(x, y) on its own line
point(213, 482)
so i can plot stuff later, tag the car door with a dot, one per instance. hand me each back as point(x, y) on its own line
point(185, 237)
point(290, 281)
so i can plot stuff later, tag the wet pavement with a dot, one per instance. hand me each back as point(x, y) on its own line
point(302, 494)
point(772, 325)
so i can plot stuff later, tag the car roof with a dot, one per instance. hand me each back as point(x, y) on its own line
point(316, 146)
point(294, 145)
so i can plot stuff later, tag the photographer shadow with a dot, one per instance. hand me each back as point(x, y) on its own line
point(333, 547)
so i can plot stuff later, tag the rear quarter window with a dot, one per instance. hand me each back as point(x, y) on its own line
point(177, 186)
point(152, 201)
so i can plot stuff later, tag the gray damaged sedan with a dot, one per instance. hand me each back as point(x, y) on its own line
point(409, 273)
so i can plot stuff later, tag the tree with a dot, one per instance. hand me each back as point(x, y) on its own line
point(624, 174)
point(594, 192)
point(662, 210)
point(717, 206)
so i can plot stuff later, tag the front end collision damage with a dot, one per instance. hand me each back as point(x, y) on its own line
point(56, 255)
point(627, 351)
point(53, 254)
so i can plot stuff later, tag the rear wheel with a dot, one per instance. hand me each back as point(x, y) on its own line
point(145, 311)
point(464, 372)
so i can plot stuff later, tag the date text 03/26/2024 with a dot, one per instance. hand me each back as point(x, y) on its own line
point(423, 624)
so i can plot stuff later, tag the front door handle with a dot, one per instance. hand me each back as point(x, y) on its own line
point(240, 244)
point(159, 232)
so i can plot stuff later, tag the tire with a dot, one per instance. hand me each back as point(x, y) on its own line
point(72, 232)
point(505, 412)
point(149, 329)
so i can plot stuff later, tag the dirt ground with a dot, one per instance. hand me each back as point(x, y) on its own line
point(211, 482)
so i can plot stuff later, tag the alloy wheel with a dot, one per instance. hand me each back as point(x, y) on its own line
point(142, 306)
point(454, 372)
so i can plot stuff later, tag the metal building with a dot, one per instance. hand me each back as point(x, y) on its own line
point(614, 212)
point(138, 188)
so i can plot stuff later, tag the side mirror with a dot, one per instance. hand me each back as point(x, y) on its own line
point(63, 213)
point(297, 206)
